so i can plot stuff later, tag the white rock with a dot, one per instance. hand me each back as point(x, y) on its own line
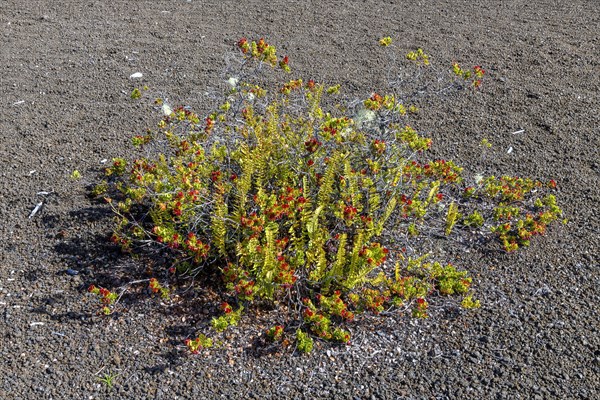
point(136, 75)
point(233, 81)
point(166, 109)
point(364, 117)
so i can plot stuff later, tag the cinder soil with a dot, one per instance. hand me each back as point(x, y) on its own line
point(64, 93)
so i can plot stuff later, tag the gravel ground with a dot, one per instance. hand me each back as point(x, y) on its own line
point(64, 92)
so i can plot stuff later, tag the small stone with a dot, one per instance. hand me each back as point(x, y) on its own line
point(136, 75)
point(166, 109)
point(72, 272)
point(233, 81)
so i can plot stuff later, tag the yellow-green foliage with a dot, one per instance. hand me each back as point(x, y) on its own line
point(451, 217)
point(304, 342)
point(283, 196)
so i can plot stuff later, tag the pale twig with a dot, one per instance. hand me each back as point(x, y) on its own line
point(100, 370)
point(39, 206)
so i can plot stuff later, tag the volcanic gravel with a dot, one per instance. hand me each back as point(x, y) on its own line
point(65, 103)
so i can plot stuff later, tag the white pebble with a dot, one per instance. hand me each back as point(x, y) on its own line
point(136, 75)
point(233, 81)
point(166, 109)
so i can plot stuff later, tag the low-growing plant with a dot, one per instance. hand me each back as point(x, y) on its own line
point(135, 94)
point(156, 287)
point(304, 342)
point(275, 333)
point(99, 189)
point(106, 298)
point(228, 318)
point(201, 342)
point(468, 302)
point(108, 379)
point(287, 199)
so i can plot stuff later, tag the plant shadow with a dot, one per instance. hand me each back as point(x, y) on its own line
point(193, 302)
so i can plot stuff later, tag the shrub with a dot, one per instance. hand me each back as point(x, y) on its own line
point(286, 196)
